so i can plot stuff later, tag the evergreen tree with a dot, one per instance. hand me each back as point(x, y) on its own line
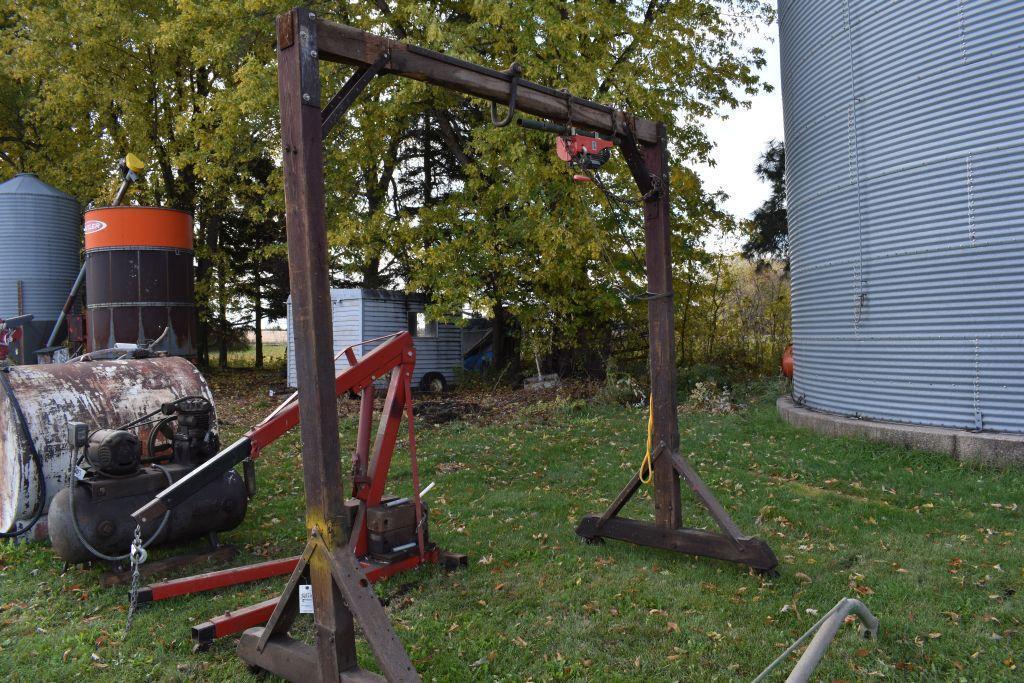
point(768, 228)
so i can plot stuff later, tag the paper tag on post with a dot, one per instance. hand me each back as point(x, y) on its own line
point(79, 473)
point(305, 598)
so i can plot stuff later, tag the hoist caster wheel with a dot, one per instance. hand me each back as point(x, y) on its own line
point(592, 540)
point(201, 646)
point(256, 671)
point(772, 573)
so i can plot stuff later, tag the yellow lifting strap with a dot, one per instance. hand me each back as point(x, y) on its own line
point(646, 469)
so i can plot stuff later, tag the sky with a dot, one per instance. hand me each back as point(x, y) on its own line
point(739, 141)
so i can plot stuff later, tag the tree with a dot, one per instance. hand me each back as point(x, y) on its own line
point(422, 191)
point(188, 86)
point(516, 237)
point(768, 228)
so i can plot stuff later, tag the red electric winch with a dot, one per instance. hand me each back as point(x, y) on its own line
point(583, 150)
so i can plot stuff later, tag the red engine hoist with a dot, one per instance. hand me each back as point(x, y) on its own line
point(389, 534)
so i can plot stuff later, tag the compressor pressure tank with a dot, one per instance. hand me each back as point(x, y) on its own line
point(139, 278)
point(102, 394)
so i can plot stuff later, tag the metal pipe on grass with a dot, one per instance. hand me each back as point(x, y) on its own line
point(826, 629)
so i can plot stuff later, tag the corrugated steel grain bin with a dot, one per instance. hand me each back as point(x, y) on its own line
point(905, 174)
point(39, 246)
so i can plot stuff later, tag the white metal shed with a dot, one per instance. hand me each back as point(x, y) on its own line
point(360, 314)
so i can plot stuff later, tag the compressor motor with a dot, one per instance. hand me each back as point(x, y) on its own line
point(115, 452)
point(112, 474)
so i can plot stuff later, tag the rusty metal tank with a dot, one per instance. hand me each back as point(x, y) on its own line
point(98, 393)
point(140, 278)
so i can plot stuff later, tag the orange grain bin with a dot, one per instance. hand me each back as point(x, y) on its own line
point(140, 278)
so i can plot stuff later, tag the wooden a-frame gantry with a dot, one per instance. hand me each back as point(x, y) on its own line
point(341, 594)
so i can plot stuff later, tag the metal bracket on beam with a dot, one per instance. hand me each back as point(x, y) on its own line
point(309, 58)
point(345, 97)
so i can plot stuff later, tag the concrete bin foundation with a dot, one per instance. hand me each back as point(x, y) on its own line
point(989, 448)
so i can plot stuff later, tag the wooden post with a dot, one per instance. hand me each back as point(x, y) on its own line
point(648, 162)
point(660, 320)
point(341, 592)
point(299, 88)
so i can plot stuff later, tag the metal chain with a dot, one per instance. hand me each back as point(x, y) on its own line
point(138, 556)
point(620, 204)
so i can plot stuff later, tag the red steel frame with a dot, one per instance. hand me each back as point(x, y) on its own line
point(395, 355)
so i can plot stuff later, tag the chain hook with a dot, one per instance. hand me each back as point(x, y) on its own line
point(515, 71)
point(138, 555)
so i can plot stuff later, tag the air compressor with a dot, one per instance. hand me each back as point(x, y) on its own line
point(112, 474)
point(83, 444)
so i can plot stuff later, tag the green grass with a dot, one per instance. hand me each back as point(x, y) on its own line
point(932, 546)
point(273, 357)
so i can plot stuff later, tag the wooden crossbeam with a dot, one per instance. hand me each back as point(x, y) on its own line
point(348, 45)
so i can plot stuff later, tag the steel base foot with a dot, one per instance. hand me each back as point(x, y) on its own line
point(452, 561)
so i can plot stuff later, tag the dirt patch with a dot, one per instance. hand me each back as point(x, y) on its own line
point(446, 467)
point(440, 411)
point(244, 396)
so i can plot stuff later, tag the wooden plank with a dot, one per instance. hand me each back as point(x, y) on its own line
point(293, 660)
point(221, 554)
point(707, 498)
point(350, 45)
point(298, 86)
point(620, 501)
point(753, 552)
point(283, 616)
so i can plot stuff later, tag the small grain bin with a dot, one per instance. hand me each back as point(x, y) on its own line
point(140, 278)
point(39, 246)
